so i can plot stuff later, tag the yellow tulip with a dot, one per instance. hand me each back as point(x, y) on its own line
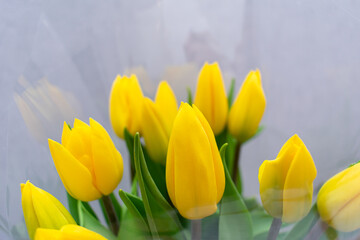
point(286, 183)
point(157, 122)
point(194, 172)
point(338, 200)
point(87, 161)
point(125, 105)
point(41, 209)
point(248, 108)
point(211, 98)
point(67, 232)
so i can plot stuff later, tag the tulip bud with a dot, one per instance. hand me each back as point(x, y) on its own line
point(87, 161)
point(41, 209)
point(249, 106)
point(286, 183)
point(338, 200)
point(125, 105)
point(67, 232)
point(194, 172)
point(157, 122)
point(211, 98)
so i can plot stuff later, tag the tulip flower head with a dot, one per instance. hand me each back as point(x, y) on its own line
point(67, 232)
point(157, 122)
point(87, 161)
point(194, 171)
point(248, 108)
point(41, 209)
point(211, 98)
point(125, 105)
point(338, 200)
point(286, 183)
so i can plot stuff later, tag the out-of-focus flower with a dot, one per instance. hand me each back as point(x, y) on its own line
point(286, 183)
point(211, 98)
point(194, 172)
point(67, 232)
point(87, 161)
point(125, 105)
point(249, 106)
point(157, 122)
point(41, 209)
point(338, 200)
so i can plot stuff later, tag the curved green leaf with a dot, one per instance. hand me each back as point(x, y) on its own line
point(88, 221)
point(235, 219)
point(162, 219)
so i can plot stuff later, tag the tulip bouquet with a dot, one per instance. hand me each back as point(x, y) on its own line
point(185, 174)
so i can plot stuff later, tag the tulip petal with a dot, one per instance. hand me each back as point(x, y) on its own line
point(74, 232)
point(218, 166)
point(125, 105)
point(108, 168)
point(29, 212)
point(75, 176)
point(211, 98)
point(192, 148)
point(166, 101)
point(65, 134)
point(298, 187)
point(47, 234)
point(248, 108)
point(155, 134)
point(339, 200)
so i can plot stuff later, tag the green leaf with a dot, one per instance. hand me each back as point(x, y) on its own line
point(161, 217)
point(235, 219)
point(188, 90)
point(262, 222)
point(129, 140)
point(88, 221)
point(134, 184)
point(73, 207)
point(303, 227)
point(133, 224)
point(231, 92)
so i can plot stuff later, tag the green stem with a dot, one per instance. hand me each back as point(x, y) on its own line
point(110, 211)
point(235, 173)
point(274, 229)
point(317, 230)
point(196, 229)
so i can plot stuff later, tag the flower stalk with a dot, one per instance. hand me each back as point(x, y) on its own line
point(196, 229)
point(110, 211)
point(274, 229)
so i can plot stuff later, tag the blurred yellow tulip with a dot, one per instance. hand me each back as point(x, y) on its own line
point(210, 96)
point(125, 105)
point(249, 106)
point(67, 232)
point(41, 209)
point(87, 161)
point(338, 201)
point(194, 172)
point(157, 122)
point(286, 183)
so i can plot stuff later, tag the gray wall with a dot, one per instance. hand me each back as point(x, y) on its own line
point(59, 58)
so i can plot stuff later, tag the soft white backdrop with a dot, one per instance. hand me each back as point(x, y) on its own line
point(58, 60)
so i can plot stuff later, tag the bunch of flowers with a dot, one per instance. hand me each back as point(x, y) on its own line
point(185, 174)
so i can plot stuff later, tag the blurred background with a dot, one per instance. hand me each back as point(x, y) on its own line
point(58, 60)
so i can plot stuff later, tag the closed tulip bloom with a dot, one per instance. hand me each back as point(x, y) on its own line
point(41, 209)
point(211, 98)
point(157, 122)
point(87, 161)
point(67, 232)
point(286, 183)
point(338, 201)
point(248, 108)
point(125, 105)
point(194, 172)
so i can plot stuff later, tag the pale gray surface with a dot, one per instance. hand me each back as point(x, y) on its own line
point(307, 51)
